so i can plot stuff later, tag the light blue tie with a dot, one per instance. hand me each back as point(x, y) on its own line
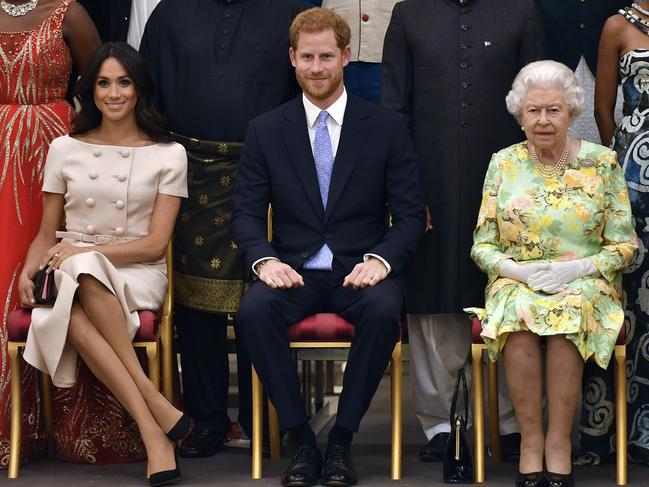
point(324, 162)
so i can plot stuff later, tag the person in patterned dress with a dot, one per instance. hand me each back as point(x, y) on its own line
point(554, 232)
point(37, 50)
point(624, 55)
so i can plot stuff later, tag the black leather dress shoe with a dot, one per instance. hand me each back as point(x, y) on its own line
point(338, 470)
point(559, 480)
point(305, 467)
point(201, 442)
point(532, 479)
point(434, 449)
point(511, 447)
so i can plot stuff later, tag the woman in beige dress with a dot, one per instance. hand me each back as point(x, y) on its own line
point(111, 194)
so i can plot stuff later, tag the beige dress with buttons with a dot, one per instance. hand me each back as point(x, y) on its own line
point(109, 190)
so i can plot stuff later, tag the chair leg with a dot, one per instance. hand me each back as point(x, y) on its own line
point(478, 411)
point(257, 424)
point(16, 411)
point(494, 414)
point(46, 401)
point(273, 432)
point(620, 414)
point(154, 363)
point(397, 411)
point(167, 359)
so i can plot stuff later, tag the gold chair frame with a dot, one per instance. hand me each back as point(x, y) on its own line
point(162, 346)
point(494, 430)
point(273, 426)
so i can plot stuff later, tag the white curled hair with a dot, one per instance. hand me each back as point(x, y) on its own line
point(545, 74)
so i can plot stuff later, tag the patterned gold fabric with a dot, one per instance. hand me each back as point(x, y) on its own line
point(209, 272)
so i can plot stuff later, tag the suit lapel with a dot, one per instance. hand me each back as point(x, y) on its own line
point(352, 139)
point(296, 137)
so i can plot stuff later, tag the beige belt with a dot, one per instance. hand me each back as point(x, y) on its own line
point(96, 239)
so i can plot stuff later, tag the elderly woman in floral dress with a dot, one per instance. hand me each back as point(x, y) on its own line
point(553, 234)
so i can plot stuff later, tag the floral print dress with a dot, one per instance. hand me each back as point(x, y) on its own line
point(535, 219)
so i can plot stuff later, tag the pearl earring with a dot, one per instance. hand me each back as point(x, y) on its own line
point(522, 128)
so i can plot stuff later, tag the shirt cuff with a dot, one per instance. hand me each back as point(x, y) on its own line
point(259, 261)
point(385, 262)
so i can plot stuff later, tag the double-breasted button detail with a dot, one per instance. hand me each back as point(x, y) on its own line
point(119, 231)
point(90, 229)
point(67, 196)
point(90, 202)
point(92, 174)
point(119, 204)
point(124, 153)
point(121, 178)
point(96, 152)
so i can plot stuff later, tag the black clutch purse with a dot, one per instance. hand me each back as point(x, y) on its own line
point(458, 459)
point(44, 288)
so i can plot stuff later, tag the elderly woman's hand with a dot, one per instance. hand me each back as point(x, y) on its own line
point(555, 279)
point(520, 272)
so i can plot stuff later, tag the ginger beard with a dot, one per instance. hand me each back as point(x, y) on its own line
point(320, 86)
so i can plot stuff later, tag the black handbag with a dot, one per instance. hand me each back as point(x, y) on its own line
point(44, 287)
point(458, 458)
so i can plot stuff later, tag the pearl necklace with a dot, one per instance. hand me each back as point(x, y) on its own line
point(640, 9)
point(18, 10)
point(551, 171)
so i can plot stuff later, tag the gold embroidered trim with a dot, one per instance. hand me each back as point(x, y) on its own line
point(215, 295)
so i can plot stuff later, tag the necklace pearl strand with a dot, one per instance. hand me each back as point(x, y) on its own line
point(546, 170)
point(20, 9)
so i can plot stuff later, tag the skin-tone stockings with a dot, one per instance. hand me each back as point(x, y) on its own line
point(564, 368)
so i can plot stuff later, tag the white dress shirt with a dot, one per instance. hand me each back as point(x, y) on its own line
point(335, 120)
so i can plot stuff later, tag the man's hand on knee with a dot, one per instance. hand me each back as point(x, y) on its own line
point(278, 275)
point(365, 274)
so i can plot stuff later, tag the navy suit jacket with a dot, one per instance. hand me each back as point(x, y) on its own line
point(375, 169)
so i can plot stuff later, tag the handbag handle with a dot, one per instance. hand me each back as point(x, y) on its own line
point(460, 382)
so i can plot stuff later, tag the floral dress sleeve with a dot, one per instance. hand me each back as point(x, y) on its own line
point(486, 250)
point(619, 241)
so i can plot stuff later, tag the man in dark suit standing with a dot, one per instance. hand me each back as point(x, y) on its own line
point(330, 165)
point(447, 66)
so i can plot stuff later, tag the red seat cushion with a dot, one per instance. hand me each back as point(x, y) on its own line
point(322, 327)
point(18, 323)
point(476, 329)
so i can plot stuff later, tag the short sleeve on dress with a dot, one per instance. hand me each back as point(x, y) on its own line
point(53, 181)
point(173, 179)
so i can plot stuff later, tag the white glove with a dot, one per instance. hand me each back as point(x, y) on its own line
point(520, 272)
point(555, 279)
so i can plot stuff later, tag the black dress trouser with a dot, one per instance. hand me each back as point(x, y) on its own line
point(206, 371)
point(265, 315)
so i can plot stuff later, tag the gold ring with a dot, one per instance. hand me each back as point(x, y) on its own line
point(55, 256)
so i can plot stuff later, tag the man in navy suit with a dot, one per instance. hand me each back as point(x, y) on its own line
point(331, 165)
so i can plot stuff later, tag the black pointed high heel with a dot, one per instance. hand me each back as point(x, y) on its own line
point(166, 477)
point(180, 429)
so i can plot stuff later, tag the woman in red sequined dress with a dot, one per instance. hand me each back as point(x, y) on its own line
point(39, 42)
